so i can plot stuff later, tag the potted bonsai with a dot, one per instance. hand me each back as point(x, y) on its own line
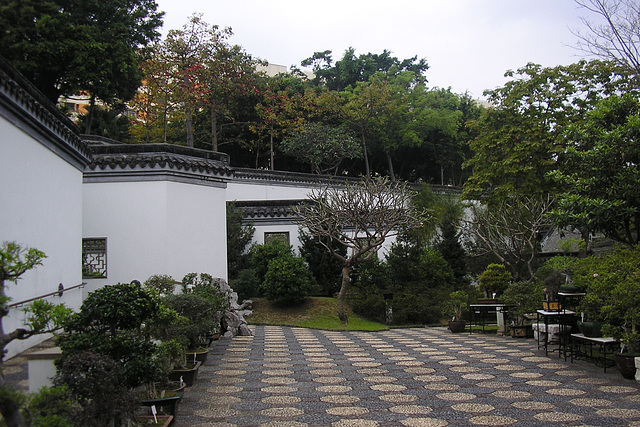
point(493, 281)
point(455, 307)
point(617, 284)
point(108, 327)
point(522, 298)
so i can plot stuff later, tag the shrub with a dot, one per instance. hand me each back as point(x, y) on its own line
point(370, 306)
point(246, 284)
point(200, 313)
point(525, 298)
point(287, 281)
point(261, 255)
point(324, 267)
point(161, 283)
point(494, 280)
point(99, 385)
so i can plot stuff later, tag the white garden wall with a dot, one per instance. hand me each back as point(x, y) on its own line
point(156, 227)
point(41, 195)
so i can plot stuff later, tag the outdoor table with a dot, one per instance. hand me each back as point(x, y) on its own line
point(480, 313)
point(603, 344)
point(563, 319)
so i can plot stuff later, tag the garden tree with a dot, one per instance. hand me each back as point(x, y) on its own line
point(360, 217)
point(434, 129)
point(421, 279)
point(521, 136)
point(155, 102)
point(599, 176)
point(230, 74)
point(67, 45)
point(280, 112)
point(108, 122)
point(617, 36)
point(366, 107)
point(324, 268)
point(187, 52)
point(352, 69)
point(239, 237)
point(510, 231)
point(41, 316)
point(323, 147)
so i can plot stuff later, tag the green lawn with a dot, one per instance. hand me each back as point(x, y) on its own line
point(319, 313)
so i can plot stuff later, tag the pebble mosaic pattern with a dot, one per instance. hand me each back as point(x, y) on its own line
point(405, 377)
point(415, 377)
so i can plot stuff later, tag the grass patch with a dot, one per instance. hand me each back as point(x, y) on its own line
point(317, 313)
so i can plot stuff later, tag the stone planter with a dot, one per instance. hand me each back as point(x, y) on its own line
point(148, 420)
point(167, 405)
point(626, 365)
point(522, 331)
point(590, 329)
point(197, 356)
point(457, 326)
point(188, 375)
point(638, 369)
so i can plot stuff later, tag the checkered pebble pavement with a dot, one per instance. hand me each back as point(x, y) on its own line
point(403, 377)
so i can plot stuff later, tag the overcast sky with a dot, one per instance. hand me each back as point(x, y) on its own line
point(469, 44)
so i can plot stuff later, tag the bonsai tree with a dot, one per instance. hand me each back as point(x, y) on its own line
point(42, 316)
point(107, 335)
point(163, 284)
point(456, 305)
point(618, 284)
point(494, 280)
point(524, 297)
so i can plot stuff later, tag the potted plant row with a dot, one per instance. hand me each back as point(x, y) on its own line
point(138, 335)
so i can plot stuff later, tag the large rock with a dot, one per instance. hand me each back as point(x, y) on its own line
point(233, 318)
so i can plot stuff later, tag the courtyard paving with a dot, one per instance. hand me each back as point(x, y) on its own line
point(403, 377)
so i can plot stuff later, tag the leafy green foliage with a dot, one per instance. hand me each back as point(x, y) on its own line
point(524, 297)
point(52, 407)
point(494, 280)
point(63, 46)
point(200, 312)
point(456, 305)
point(599, 175)
point(239, 237)
point(421, 281)
point(287, 281)
point(322, 147)
point(15, 261)
point(261, 255)
point(110, 309)
point(100, 386)
point(324, 268)
point(163, 284)
point(520, 139)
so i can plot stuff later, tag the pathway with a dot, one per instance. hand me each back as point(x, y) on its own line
point(415, 377)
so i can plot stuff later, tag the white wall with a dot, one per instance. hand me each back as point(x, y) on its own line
point(41, 208)
point(245, 191)
point(156, 227)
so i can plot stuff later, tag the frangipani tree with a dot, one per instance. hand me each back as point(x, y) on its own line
point(359, 217)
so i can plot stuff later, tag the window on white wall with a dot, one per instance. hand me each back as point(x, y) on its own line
point(279, 236)
point(94, 258)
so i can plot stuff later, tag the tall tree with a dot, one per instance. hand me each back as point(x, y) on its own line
point(66, 45)
point(359, 217)
point(352, 69)
point(323, 147)
point(617, 36)
point(521, 136)
point(600, 174)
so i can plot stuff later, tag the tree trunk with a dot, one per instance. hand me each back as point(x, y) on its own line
point(392, 174)
point(214, 130)
point(189, 124)
point(366, 156)
point(271, 166)
point(342, 312)
point(87, 123)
